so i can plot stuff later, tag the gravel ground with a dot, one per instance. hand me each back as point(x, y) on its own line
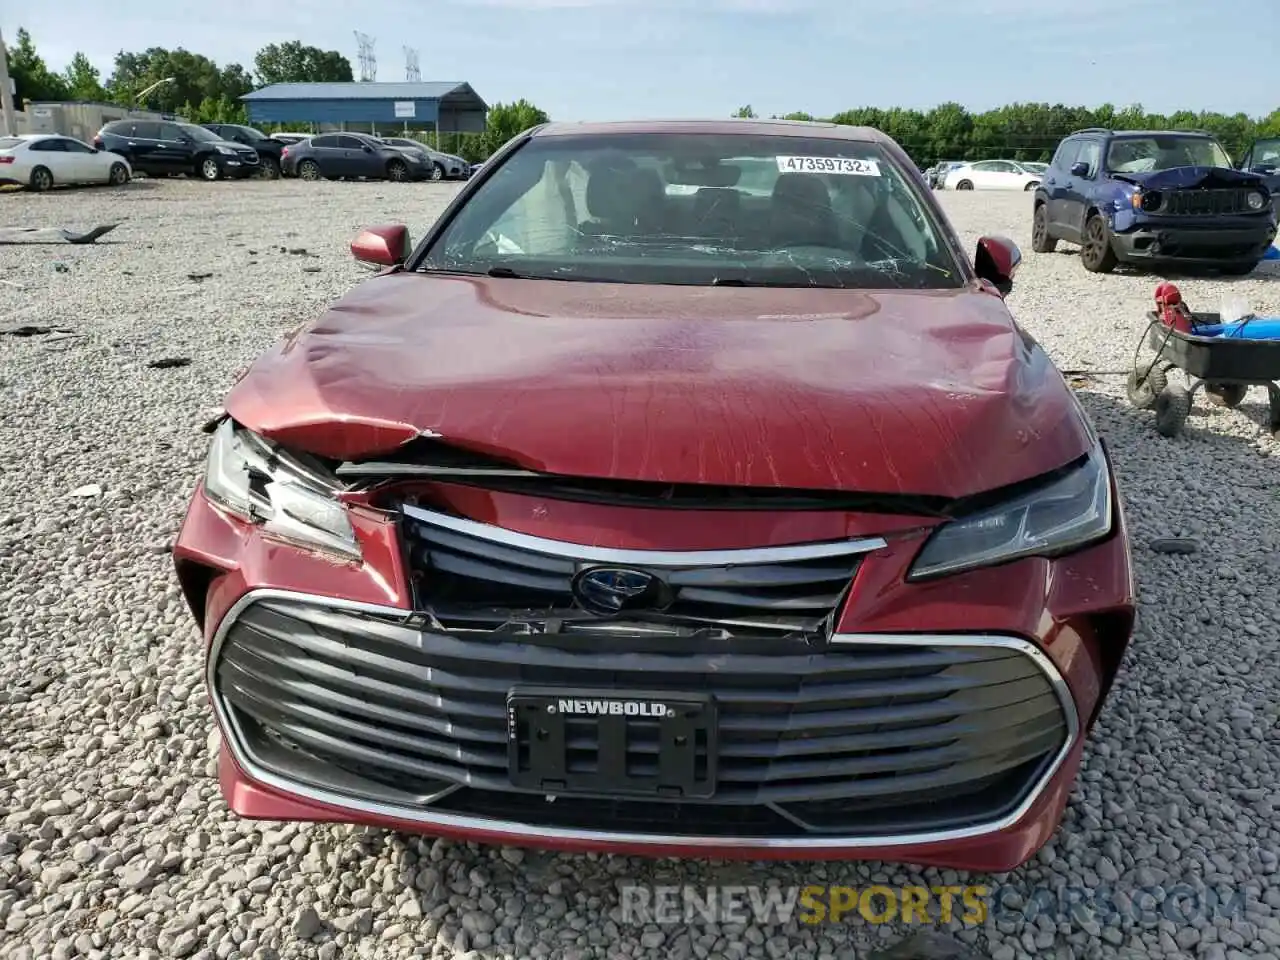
point(114, 841)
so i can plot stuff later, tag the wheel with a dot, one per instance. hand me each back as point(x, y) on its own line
point(397, 171)
point(1031, 186)
point(1173, 404)
point(209, 169)
point(119, 175)
point(1041, 242)
point(1145, 385)
point(41, 179)
point(309, 170)
point(1237, 269)
point(964, 185)
point(437, 172)
point(1229, 395)
point(270, 168)
point(1096, 253)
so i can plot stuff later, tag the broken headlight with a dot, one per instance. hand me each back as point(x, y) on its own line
point(1064, 515)
point(260, 483)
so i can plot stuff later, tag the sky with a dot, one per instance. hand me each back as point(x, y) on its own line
point(618, 59)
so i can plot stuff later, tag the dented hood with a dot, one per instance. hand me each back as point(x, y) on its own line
point(1185, 178)
point(917, 392)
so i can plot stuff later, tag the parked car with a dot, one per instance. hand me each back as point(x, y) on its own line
point(267, 148)
point(991, 175)
point(1034, 167)
point(291, 138)
point(42, 161)
point(1152, 197)
point(172, 148)
point(1263, 158)
point(445, 166)
point(935, 179)
point(620, 518)
point(351, 156)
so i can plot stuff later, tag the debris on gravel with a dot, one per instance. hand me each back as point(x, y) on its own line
point(114, 839)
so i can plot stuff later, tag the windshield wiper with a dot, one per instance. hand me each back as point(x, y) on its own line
point(780, 284)
point(506, 273)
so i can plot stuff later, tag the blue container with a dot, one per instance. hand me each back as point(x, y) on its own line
point(1272, 254)
point(1260, 328)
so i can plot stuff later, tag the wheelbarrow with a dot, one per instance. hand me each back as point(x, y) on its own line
point(1223, 359)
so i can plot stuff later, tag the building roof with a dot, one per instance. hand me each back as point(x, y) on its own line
point(433, 90)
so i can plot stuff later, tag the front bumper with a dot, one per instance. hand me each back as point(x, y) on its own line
point(1194, 245)
point(335, 706)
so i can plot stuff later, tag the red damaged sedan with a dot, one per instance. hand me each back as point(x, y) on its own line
point(687, 490)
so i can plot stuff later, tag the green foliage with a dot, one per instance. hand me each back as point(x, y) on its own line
point(195, 78)
point(83, 81)
point(32, 78)
point(508, 120)
point(745, 113)
point(292, 62)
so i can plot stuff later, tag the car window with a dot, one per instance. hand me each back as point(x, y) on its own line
point(75, 146)
point(1068, 150)
point(146, 131)
point(171, 131)
point(1090, 153)
point(1164, 152)
point(700, 209)
point(350, 143)
point(324, 142)
point(1265, 151)
point(51, 145)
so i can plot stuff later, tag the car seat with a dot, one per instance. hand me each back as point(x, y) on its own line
point(801, 213)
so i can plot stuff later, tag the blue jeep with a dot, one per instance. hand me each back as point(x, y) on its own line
point(1162, 198)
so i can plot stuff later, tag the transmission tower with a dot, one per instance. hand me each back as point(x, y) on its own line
point(411, 72)
point(368, 63)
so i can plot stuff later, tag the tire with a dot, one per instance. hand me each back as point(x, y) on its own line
point(309, 170)
point(1173, 405)
point(1095, 252)
point(437, 172)
point(1144, 386)
point(208, 169)
point(119, 175)
point(41, 179)
point(270, 169)
point(1237, 269)
point(1041, 242)
point(1031, 186)
point(1229, 395)
point(964, 185)
point(397, 171)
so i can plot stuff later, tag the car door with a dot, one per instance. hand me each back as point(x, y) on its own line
point(177, 150)
point(81, 161)
point(144, 148)
point(1055, 182)
point(48, 153)
point(328, 157)
point(980, 174)
point(356, 161)
point(1003, 175)
point(1075, 198)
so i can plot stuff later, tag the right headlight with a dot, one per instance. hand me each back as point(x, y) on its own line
point(1065, 514)
point(260, 483)
point(1256, 200)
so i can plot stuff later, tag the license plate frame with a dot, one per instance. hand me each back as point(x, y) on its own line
point(543, 724)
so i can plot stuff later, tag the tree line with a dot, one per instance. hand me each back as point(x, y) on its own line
point(204, 92)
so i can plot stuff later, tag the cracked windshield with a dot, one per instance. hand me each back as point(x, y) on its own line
point(699, 210)
point(1146, 154)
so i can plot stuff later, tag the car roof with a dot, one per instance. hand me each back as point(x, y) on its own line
point(748, 127)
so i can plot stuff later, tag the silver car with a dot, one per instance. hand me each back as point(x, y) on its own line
point(445, 166)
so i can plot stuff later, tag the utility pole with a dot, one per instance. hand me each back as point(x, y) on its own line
point(6, 95)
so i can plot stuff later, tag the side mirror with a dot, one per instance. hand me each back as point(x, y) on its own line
point(996, 261)
point(368, 149)
point(1079, 169)
point(386, 245)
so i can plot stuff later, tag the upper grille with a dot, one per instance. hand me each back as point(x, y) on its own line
point(474, 576)
point(866, 739)
point(1201, 203)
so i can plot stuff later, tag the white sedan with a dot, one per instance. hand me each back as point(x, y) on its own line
point(41, 160)
point(991, 175)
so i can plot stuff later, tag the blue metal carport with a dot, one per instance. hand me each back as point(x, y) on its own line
point(444, 107)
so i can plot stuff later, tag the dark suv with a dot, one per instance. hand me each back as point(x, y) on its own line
point(162, 148)
point(1152, 197)
point(267, 148)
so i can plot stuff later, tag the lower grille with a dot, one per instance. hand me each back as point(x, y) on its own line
point(1199, 203)
point(865, 740)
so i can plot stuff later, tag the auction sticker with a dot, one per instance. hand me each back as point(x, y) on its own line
point(844, 166)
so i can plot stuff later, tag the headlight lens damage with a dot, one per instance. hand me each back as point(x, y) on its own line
point(260, 483)
point(1064, 515)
